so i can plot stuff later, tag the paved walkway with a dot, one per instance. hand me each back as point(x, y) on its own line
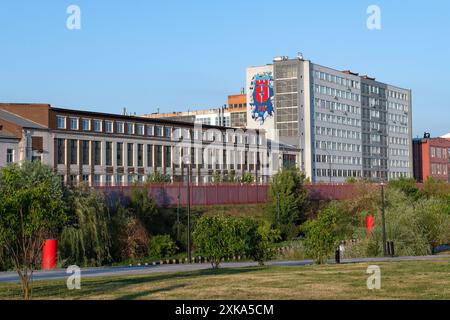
point(11, 277)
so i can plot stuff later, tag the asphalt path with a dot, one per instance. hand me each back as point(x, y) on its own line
point(12, 277)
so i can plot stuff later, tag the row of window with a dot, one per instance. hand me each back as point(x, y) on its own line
point(396, 175)
point(132, 155)
point(339, 133)
point(337, 106)
point(338, 159)
point(399, 163)
point(336, 93)
point(110, 126)
point(398, 118)
point(397, 95)
point(370, 89)
point(439, 168)
point(398, 141)
point(331, 118)
point(399, 152)
point(398, 129)
point(440, 153)
point(338, 146)
point(337, 173)
point(336, 79)
point(398, 106)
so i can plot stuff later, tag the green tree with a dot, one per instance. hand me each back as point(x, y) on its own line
point(247, 178)
point(407, 185)
point(85, 239)
point(158, 178)
point(219, 237)
point(217, 177)
point(259, 237)
point(162, 246)
point(288, 201)
point(31, 210)
point(144, 208)
point(323, 234)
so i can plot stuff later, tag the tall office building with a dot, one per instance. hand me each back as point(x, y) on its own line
point(344, 125)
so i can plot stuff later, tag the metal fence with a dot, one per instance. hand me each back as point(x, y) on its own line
point(226, 194)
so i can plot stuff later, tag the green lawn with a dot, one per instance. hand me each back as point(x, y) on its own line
point(399, 280)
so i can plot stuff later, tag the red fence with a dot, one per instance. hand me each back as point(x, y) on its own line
point(223, 194)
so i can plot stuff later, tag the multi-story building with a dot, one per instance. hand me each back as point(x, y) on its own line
point(232, 115)
point(110, 149)
point(237, 107)
point(431, 158)
point(344, 124)
point(214, 117)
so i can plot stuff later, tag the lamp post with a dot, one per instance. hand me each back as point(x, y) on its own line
point(187, 161)
point(383, 220)
point(178, 216)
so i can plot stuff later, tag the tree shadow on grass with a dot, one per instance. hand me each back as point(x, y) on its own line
point(108, 285)
point(140, 294)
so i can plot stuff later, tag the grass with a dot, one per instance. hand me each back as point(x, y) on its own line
point(399, 280)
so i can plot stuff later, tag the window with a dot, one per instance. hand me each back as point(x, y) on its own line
point(130, 154)
point(167, 156)
point(85, 152)
point(158, 163)
point(86, 124)
point(73, 151)
point(61, 150)
point(109, 153)
point(97, 153)
point(159, 131)
point(109, 126)
point(73, 123)
point(140, 155)
point(130, 128)
point(9, 156)
point(60, 122)
point(97, 125)
point(120, 127)
point(149, 130)
point(433, 152)
point(168, 132)
point(119, 154)
point(140, 129)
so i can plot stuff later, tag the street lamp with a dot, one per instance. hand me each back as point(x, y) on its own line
point(383, 220)
point(187, 160)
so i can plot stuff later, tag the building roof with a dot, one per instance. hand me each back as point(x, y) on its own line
point(7, 135)
point(446, 136)
point(17, 120)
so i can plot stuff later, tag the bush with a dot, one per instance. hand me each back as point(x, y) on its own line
point(259, 238)
point(289, 201)
point(219, 237)
point(323, 234)
point(162, 246)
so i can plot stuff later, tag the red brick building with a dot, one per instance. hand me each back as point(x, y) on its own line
point(431, 158)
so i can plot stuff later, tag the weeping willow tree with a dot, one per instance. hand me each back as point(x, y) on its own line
point(85, 240)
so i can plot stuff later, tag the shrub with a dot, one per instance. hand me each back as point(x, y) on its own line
point(162, 246)
point(289, 201)
point(219, 237)
point(259, 238)
point(323, 234)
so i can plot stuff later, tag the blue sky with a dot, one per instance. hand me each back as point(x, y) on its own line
point(175, 55)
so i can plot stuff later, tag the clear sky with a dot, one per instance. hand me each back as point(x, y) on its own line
point(174, 55)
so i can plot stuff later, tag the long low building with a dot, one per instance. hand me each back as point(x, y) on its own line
point(111, 149)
